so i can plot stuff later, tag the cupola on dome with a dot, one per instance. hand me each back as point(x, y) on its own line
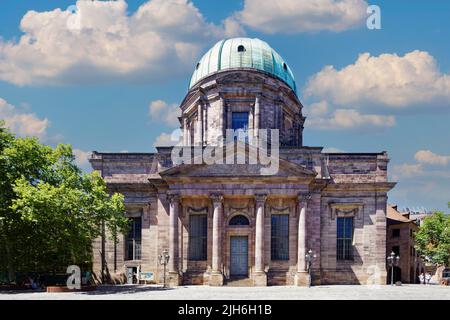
point(243, 53)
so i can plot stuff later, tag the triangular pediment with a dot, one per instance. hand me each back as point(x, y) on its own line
point(284, 169)
point(233, 170)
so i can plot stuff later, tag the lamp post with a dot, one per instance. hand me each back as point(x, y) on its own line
point(392, 260)
point(164, 260)
point(309, 258)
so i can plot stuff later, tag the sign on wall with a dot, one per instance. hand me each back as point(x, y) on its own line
point(146, 276)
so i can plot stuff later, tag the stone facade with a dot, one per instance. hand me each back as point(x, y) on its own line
point(311, 187)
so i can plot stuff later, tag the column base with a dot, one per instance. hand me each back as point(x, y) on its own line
point(259, 279)
point(302, 279)
point(174, 279)
point(216, 279)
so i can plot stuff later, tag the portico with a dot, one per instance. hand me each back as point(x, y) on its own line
point(239, 223)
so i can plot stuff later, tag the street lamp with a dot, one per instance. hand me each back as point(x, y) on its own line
point(164, 260)
point(309, 258)
point(392, 260)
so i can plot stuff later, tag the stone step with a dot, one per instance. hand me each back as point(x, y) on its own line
point(239, 282)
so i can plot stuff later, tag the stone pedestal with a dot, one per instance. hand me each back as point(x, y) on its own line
point(174, 279)
point(216, 279)
point(302, 279)
point(259, 279)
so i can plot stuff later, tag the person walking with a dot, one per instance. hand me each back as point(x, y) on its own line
point(422, 278)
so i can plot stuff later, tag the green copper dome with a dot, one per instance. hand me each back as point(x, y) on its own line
point(243, 53)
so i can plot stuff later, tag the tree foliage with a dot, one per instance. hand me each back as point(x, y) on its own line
point(433, 238)
point(50, 212)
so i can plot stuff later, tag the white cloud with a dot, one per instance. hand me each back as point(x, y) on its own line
point(317, 109)
point(406, 170)
point(294, 16)
point(423, 158)
point(161, 110)
point(389, 80)
point(168, 139)
point(23, 123)
point(428, 157)
point(350, 119)
point(101, 42)
point(81, 157)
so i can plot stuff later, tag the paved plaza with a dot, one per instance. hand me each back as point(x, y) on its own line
point(343, 292)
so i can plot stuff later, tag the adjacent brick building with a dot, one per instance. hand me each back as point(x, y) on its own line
point(400, 240)
point(221, 222)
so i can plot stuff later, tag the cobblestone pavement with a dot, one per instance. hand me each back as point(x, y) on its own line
point(141, 292)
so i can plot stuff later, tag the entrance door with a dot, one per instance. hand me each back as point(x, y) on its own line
point(131, 274)
point(239, 256)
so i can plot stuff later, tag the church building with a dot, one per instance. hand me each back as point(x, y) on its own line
point(320, 213)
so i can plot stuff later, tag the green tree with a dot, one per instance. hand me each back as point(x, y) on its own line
point(433, 238)
point(50, 211)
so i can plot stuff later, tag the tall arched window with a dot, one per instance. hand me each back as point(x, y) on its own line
point(239, 220)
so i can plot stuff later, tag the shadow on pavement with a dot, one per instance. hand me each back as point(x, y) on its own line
point(124, 289)
point(22, 291)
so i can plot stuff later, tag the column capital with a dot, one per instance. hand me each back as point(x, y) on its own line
point(304, 197)
point(260, 198)
point(216, 198)
point(173, 197)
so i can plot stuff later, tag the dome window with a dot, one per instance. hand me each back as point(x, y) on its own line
point(197, 66)
point(284, 66)
point(241, 48)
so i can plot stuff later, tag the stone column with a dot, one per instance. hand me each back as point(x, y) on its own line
point(229, 117)
point(205, 125)
point(302, 278)
point(216, 267)
point(259, 274)
point(256, 119)
point(200, 124)
point(222, 122)
point(257, 111)
point(185, 132)
point(174, 276)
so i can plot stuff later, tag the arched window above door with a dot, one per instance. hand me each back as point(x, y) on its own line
point(239, 220)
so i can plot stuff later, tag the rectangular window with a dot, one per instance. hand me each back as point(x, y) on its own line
point(395, 233)
point(133, 239)
point(280, 237)
point(239, 120)
point(344, 247)
point(198, 240)
point(240, 126)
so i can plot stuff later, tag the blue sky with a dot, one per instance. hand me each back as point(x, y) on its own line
point(99, 102)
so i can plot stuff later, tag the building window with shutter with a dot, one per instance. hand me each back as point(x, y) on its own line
point(133, 239)
point(198, 228)
point(280, 237)
point(344, 243)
